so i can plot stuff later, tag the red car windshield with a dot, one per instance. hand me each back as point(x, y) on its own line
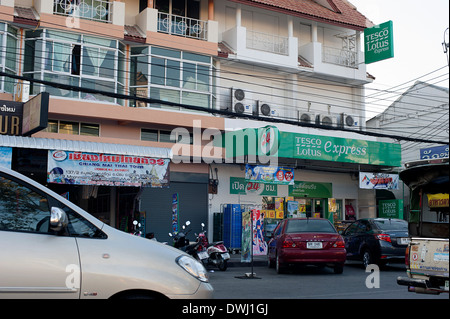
point(309, 226)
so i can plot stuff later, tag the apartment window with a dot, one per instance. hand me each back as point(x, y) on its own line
point(171, 76)
point(183, 8)
point(161, 136)
point(156, 136)
point(73, 128)
point(77, 60)
point(8, 56)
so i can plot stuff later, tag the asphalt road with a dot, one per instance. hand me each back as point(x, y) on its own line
point(314, 283)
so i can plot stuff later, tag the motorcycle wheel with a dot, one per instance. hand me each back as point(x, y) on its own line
point(222, 264)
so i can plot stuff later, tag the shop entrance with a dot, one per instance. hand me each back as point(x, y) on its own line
point(314, 207)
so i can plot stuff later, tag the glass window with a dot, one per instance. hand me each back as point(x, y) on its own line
point(158, 71)
point(52, 126)
point(25, 209)
point(173, 73)
point(89, 129)
point(167, 77)
point(391, 224)
point(166, 53)
point(68, 127)
point(149, 135)
point(164, 137)
point(97, 63)
point(22, 208)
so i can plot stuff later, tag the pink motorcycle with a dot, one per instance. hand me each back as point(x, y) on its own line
point(212, 254)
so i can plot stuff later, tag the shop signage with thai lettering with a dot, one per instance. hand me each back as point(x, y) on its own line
point(238, 185)
point(438, 200)
point(311, 189)
point(81, 168)
point(17, 118)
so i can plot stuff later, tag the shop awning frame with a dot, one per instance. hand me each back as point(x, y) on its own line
point(82, 146)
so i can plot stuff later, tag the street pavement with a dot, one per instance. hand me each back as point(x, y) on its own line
point(310, 282)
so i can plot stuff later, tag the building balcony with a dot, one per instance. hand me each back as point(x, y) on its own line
point(335, 62)
point(96, 10)
point(262, 48)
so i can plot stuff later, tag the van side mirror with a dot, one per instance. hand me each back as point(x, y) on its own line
point(58, 219)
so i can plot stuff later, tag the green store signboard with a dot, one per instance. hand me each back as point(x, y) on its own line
point(311, 189)
point(390, 208)
point(312, 147)
point(379, 42)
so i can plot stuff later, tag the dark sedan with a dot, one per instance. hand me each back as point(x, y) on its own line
point(307, 241)
point(377, 240)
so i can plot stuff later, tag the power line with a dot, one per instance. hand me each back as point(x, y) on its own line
point(214, 111)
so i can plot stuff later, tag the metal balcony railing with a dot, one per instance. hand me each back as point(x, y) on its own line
point(96, 10)
point(267, 42)
point(182, 26)
point(340, 57)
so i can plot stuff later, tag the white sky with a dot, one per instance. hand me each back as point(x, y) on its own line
point(419, 27)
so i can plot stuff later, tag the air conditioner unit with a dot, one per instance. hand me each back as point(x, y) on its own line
point(349, 121)
point(266, 110)
point(326, 119)
point(306, 117)
point(240, 102)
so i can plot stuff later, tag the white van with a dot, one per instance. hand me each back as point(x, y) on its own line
point(50, 248)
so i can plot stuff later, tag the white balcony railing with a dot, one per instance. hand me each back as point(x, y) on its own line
point(267, 42)
point(97, 10)
point(182, 26)
point(340, 57)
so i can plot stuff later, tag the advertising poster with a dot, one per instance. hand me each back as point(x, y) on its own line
point(259, 244)
point(269, 174)
point(378, 180)
point(5, 156)
point(292, 209)
point(80, 168)
point(175, 213)
point(246, 256)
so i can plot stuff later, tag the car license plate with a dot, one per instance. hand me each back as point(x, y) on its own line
point(203, 255)
point(226, 256)
point(446, 285)
point(404, 241)
point(314, 245)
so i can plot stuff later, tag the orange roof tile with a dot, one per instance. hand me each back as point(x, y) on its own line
point(345, 13)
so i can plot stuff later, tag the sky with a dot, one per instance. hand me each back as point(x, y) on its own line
point(419, 27)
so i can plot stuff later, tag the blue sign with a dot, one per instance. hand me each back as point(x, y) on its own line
point(434, 152)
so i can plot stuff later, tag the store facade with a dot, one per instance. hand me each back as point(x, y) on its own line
point(323, 169)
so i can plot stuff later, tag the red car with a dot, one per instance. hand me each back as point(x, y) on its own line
point(308, 241)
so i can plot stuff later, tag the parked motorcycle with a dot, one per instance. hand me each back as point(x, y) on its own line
point(179, 238)
point(211, 254)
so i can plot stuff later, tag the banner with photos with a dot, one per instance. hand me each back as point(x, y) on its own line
point(80, 168)
point(378, 180)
